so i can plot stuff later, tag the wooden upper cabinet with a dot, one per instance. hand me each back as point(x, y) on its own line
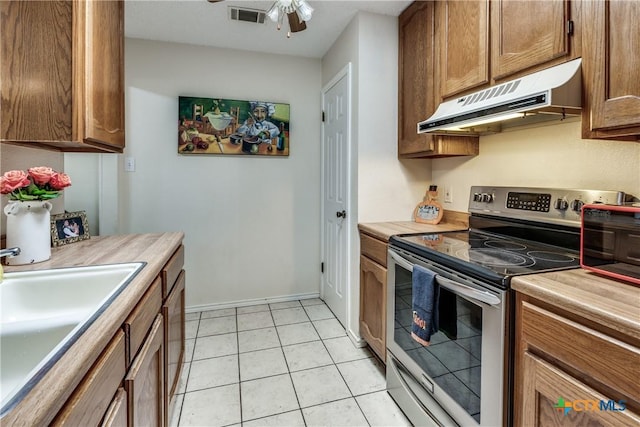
point(611, 69)
point(418, 94)
point(525, 34)
point(416, 75)
point(463, 32)
point(62, 65)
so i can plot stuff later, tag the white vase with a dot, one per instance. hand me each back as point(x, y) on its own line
point(28, 227)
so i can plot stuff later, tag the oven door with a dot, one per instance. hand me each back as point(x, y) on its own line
point(462, 371)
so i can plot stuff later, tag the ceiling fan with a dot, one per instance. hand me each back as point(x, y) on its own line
point(298, 12)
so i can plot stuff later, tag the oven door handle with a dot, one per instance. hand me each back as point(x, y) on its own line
point(455, 287)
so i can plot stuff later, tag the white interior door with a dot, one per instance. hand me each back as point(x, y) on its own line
point(335, 194)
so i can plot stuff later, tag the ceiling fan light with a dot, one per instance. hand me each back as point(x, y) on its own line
point(273, 12)
point(304, 10)
point(295, 23)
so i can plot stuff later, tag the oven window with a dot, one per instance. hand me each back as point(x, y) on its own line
point(453, 359)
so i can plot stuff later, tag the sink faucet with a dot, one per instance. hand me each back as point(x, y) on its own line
point(7, 252)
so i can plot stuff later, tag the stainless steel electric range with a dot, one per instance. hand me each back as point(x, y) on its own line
point(464, 377)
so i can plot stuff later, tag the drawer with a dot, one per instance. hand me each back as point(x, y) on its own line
point(601, 357)
point(171, 271)
point(91, 399)
point(374, 249)
point(139, 321)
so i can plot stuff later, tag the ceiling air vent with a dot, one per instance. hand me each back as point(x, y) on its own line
point(247, 15)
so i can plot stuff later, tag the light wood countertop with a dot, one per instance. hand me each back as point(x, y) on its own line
point(51, 392)
point(451, 221)
point(611, 303)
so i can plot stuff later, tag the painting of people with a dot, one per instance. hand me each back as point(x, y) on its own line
point(232, 127)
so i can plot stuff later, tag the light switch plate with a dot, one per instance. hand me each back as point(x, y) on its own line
point(129, 164)
point(448, 194)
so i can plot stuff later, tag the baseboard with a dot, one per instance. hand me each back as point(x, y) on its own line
point(244, 303)
point(355, 339)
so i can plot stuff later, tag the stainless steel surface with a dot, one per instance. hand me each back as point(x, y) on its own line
point(418, 391)
point(9, 252)
point(468, 292)
point(549, 205)
point(416, 402)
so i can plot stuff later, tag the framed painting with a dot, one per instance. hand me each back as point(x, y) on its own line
point(69, 227)
point(232, 127)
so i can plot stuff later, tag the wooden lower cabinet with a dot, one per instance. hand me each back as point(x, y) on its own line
point(144, 383)
point(117, 414)
point(570, 372)
point(373, 297)
point(373, 293)
point(134, 380)
point(174, 322)
point(91, 399)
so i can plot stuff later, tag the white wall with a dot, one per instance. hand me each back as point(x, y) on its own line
point(383, 188)
point(251, 223)
point(542, 156)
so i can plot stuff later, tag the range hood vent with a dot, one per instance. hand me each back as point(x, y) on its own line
point(551, 94)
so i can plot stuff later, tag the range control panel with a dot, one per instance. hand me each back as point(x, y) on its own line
point(529, 201)
point(538, 204)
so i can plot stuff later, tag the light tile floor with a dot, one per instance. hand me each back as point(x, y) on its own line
point(283, 364)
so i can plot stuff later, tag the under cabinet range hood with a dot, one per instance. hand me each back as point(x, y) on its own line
point(553, 93)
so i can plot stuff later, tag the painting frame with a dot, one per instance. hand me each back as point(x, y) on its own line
point(223, 127)
point(62, 230)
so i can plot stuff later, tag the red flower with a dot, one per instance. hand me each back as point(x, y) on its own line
point(13, 180)
point(59, 181)
point(41, 174)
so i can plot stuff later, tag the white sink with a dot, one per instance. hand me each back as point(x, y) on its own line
point(43, 312)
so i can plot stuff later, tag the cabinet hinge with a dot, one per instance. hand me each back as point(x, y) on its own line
point(570, 27)
point(323, 116)
point(322, 267)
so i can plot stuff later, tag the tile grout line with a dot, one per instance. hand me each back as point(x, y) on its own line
point(295, 392)
point(287, 363)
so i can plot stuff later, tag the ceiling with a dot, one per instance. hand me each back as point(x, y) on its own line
point(202, 23)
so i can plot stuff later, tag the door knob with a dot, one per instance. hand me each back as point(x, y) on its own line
point(342, 214)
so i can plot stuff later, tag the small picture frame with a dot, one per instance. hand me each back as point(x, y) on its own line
point(69, 227)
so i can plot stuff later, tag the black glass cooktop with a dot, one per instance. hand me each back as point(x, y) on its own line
point(488, 256)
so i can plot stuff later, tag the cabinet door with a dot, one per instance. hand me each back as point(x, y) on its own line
point(373, 303)
point(90, 400)
point(62, 65)
point(117, 413)
point(138, 323)
point(99, 72)
point(611, 66)
point(173, 313)
point(35, 60)
point(520, 41)
point(463, 31)
point(416, 77)
point(418, 95)
point(551, 397)
point(144, 383)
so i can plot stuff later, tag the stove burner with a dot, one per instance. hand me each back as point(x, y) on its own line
point(495, 258)
point(505, 245)
point(551, 256)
